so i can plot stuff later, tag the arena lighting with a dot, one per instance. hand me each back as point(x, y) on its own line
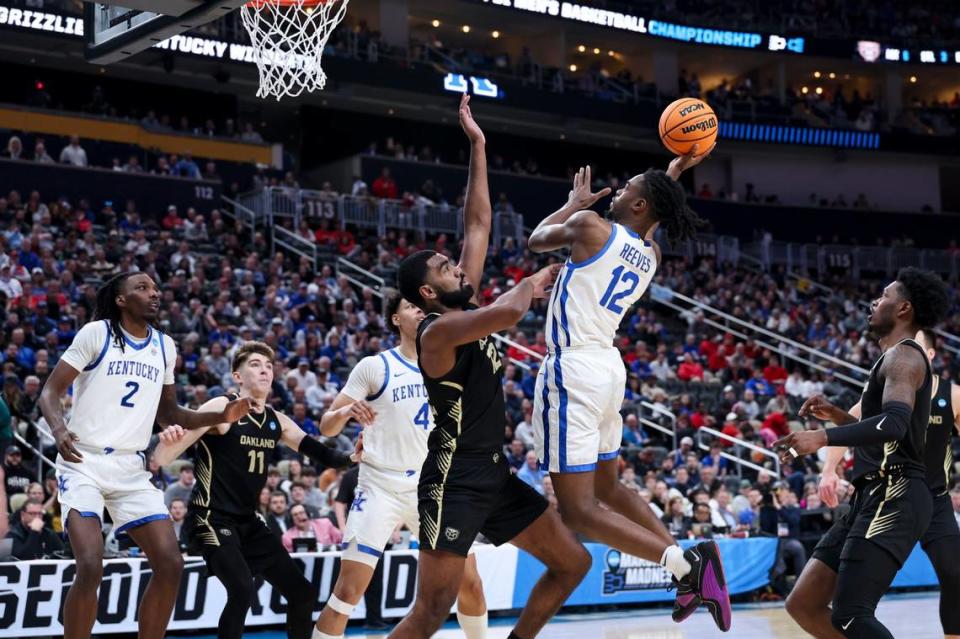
point(816, 74)
point(833, 75)
point(611, 54)
point(596, 51)
point(913, 79)
point(435, 23)
point(495, 34)
point(581, 48)
point(573, 68)
point(805, 136)
point(804, 90)
point(466, 28)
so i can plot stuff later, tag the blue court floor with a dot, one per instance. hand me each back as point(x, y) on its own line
point(913, 615)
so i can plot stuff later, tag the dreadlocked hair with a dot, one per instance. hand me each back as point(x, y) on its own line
point(669, 203)
point(107, 309)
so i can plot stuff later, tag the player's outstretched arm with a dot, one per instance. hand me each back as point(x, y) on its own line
point(169, 412)
point(477, 212)
point(440, 339)
point(560, 228)
point(52, 409)
point(341, 411)
point(293, 437)
point(174, 439)
point(903, 374)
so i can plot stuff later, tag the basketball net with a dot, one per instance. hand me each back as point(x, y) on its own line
point(289, 37)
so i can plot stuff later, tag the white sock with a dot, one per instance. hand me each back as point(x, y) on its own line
point(322, 635)
point(674, 561)
point(473, 627)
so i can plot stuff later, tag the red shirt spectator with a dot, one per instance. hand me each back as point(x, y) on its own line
point(384, 186)
point(690, 370)
point(172, 221)
point(775, 373)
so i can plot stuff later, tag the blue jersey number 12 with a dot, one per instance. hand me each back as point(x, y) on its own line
point(423, 417)
point(125, 402)
point(610, 301)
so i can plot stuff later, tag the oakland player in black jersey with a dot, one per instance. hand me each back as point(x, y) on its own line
point(466, 486)
point(231, 468)
point(809, 602)
point(892, 504)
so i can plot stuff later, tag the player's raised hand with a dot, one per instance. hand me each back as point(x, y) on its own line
point(689, 160)
point(470, 126)
point(799, 444)
point(580, 196)
point(543, 280)
point(65, 444)
point(360, 411)
point(172, 434)
point(820, 407)
point(236, 410)
point(357, 455)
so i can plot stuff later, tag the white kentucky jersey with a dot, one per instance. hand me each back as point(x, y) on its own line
point(116, 395)
point(591, 297)
point(394, 388)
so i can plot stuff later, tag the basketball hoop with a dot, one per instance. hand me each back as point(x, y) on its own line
point(289, 37)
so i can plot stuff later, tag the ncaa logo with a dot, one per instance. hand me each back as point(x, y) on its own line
point(273, 425)
point(451, 533)
point(613, 560)
point(942, 403)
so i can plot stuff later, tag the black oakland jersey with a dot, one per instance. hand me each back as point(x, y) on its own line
point(907, 455)
point(467, 403)
point(938, 454)
point(231, 469)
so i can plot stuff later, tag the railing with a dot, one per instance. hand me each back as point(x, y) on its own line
point(706, 430)
point(295, 244)
point(38, 454)
point(353, 273)
point(240, 213)
point(659, 410)
point(810, 351)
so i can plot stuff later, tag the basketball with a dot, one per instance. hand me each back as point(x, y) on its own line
point(686, 122)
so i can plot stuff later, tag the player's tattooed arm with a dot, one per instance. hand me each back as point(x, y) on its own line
point(477, 211)
point(574, 219)
point(170, 412)
point(439, 341)
point(52, 409)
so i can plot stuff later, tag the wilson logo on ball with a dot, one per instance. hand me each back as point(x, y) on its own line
point(700, 126)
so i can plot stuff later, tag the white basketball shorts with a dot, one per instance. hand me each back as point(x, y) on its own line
point(119, 481)
point(576, 414)
point(384, 499)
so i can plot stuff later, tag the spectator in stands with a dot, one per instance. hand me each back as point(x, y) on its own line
point(633, 434)
point(759, 385)
point(183, 487)
point(715, 460)
point(32, 538)
point(384, 186)
point(17, 477)
point(748, 406)
point(277, 519)
point(661, 368)
point(73, 153)
point(530, 472)
point(701, 526)
point(178, 512)
point(40, 153)
point(250, 134)
point(690, 370)
point(675, 520)
point(218, 364)
point(516, 455)
point(186, 167)
point(298, 497)
point(14, 149)
point(321, 530)
point(313, 497)
point(789, 514)
point(305, 378)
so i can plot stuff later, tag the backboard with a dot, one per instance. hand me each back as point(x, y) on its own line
point(117, 29)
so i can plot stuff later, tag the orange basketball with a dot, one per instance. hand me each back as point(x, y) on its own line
point(686, 122)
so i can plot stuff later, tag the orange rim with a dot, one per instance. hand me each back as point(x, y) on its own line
point(286, 3)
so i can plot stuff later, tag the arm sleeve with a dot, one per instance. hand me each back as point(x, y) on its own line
point(325, 455)
point(890, 425)
point(366, 378)
point(87, 345)
point(170, 350)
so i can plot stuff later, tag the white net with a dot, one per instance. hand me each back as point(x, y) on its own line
point(289, 37)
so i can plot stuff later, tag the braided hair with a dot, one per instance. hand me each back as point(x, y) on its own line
point(107, 309)
point(669, 204)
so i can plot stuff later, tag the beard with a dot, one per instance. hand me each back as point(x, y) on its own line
point(457, 299)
